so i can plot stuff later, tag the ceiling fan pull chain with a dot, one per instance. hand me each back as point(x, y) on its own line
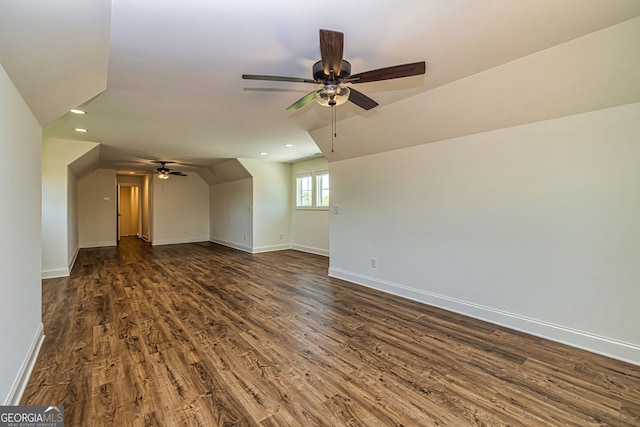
point(334, 131)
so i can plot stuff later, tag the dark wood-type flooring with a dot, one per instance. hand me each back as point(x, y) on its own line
point(200, 334)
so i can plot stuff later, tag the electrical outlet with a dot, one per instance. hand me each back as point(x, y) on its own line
point(244, 237)
point(373, 263)
point(281, 237)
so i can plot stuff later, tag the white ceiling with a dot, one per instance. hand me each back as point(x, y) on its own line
point(173, 80)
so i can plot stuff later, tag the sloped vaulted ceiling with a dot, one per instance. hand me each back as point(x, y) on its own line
point(162, 79)
point(56, 52)
point(599, 70)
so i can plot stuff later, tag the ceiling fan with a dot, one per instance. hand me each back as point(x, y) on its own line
point(164, 172)
point(333, 72)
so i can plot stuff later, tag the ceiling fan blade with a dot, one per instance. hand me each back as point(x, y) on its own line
point(277, 78)
point(331, 50)
point(361, 100)
point(394, 72)
point(302, 101)
point(178, 173)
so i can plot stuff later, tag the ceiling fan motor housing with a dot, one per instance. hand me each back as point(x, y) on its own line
point(321, 77)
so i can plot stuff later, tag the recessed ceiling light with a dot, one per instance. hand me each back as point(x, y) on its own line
point(263, 153)
point(76, 111)
point(132, 173)
point(289, 145)
point(81, 130)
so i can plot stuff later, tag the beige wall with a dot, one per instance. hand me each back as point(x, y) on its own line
point(309, 227)
point(514, 198)
point(534, 227)
point(147, 204)
point(180, 210)
point(97, 209)
point(59, 229)
point(21, 330)
point(256, 214)
point(179, 213)
point(231, 222)
point(271, 204)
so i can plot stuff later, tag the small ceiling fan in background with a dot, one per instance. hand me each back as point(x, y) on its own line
point(164, 172)
point(333, 72)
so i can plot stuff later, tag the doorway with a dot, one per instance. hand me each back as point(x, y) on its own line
point(128, 211)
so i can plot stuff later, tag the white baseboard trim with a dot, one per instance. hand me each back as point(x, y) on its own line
point(232, 245)
point(594, 343)
point(73, 259)
point(19, 385)
point(271, 248)
point(310, 250)
point(52, 273)
point(179, 241)
point(101, 244)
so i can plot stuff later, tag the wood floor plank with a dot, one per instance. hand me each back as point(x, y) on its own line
point(204, 335)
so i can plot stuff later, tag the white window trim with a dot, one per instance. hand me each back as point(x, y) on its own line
point(314, 206)
point(318, 190)
point(297, 198)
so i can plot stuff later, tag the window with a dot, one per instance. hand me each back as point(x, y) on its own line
point(304, 191)
point(312, 190)
point(322, 189)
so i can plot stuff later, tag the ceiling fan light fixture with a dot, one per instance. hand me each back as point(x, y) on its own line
point(332, 95)
point(163, 175)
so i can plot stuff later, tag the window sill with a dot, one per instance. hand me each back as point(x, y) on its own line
point(312, 208)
